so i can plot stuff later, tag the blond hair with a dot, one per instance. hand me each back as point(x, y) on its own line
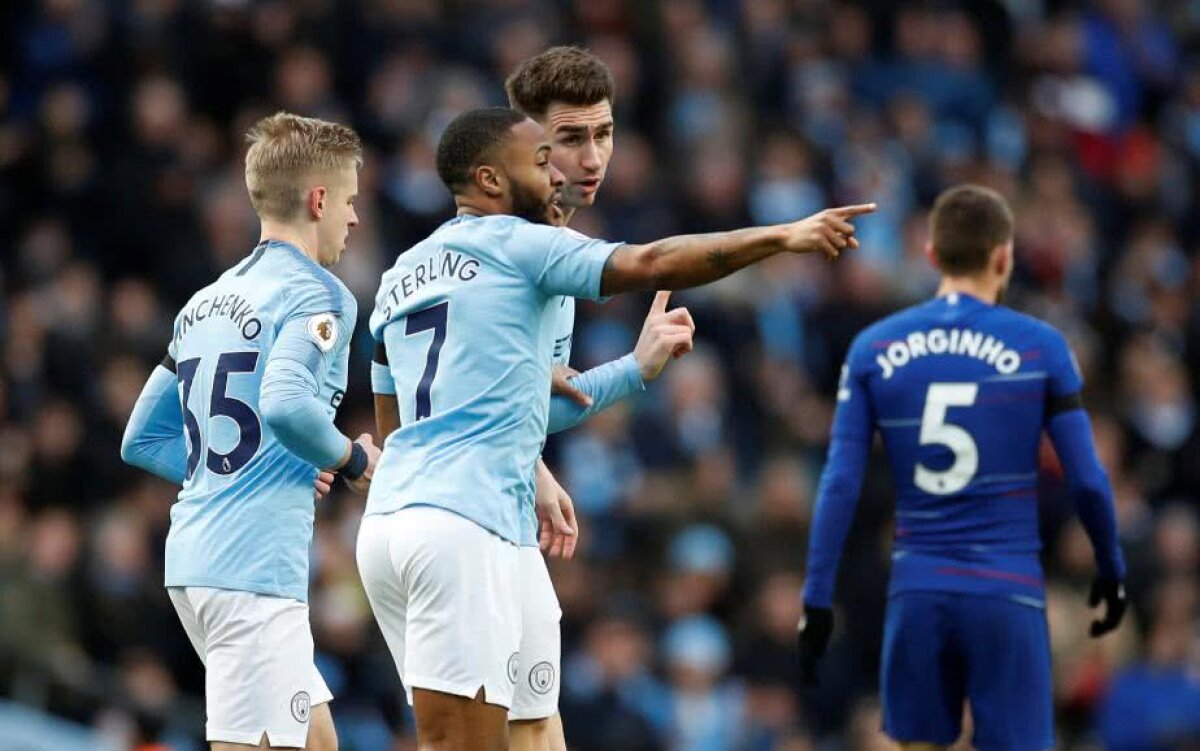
point(285, 150)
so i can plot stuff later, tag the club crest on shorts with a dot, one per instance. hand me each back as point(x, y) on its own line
point(301, 706)
point(512, 666)
point(542, 677)
point(323, 330)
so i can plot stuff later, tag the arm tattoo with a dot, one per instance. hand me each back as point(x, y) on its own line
point(718, 260)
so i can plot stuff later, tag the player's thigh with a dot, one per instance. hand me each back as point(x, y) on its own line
point(446, 722)
point(922, 681)
point(1009, 675)
point(538, 665)
point(259, 674)
point(459, 626)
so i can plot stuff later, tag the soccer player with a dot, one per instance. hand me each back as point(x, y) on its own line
point(569, 92)
point(467, 322)
point(240, 413)
point(961, 390)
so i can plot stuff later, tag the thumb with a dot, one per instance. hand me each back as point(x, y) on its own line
point(660, 301)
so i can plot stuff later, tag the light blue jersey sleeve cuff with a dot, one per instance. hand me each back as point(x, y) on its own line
point(381, 379)
point(606, 384)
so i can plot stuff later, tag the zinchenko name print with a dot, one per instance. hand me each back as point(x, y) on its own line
point(964, 342)
point(236, 308)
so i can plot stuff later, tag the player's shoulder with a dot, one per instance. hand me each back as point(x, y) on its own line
point(305, 285)
point(1027, 326)
point(889, 328)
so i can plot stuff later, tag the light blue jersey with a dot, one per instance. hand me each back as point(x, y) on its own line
point(468, 320)
point(244, 519)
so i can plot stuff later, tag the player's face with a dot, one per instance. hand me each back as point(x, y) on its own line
point(339, 216)
point(534, 182)
point(582, 143)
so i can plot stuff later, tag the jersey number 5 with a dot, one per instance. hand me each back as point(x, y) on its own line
point(221, 405)
point(935, 430)
point(433, 317)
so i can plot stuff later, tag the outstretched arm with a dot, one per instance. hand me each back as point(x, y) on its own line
point(692, 260)
point(153, 438)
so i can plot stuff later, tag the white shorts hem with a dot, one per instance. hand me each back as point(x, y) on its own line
point(468, 690)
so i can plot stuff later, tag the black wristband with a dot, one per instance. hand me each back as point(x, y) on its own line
point(356, 464)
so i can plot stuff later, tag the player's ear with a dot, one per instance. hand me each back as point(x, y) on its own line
point(316, 201)
point(931, 256)
point(1002, 258)
point(489, 180)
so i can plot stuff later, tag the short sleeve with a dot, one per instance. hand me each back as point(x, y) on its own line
point(560, 261)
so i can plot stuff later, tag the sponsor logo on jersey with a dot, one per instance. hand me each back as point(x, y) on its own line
point(513, 659)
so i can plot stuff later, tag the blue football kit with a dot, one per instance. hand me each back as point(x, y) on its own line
point(961, 392)
point(240, 413)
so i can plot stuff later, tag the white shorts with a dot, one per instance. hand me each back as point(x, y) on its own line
point(444, 591)
point(539, 664)
point(257, 652)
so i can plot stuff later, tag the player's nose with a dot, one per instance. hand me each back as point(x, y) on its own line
point(556, 177)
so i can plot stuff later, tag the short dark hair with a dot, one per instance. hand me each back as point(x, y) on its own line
point(570, 75)
point(967, 223)
point(468, 140)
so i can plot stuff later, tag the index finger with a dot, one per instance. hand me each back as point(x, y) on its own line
point(660, 301)
point(855, 210)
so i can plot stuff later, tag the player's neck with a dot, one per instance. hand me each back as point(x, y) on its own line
point(480, 206)
point(285, 233)
point(981, 289)
point(568, 212)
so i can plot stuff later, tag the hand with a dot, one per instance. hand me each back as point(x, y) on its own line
point(665, 334)
point(829, 231)
point(322, 484)
point(557, 527)
point(1112, 593)
point(363, 483)
point(560, 383)
point(813, 637)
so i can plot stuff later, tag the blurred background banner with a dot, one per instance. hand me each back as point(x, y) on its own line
point(121, 192)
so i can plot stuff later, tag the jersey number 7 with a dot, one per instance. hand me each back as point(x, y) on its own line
point(434, 317)
point(935, 430)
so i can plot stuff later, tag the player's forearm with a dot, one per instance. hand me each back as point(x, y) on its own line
point(687, 260)
point(153, 438)
point(291, 407)
point(1091, 491)
point(837, 497)
point(606, 384)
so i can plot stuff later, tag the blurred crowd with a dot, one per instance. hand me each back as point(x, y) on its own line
point(121, 192)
